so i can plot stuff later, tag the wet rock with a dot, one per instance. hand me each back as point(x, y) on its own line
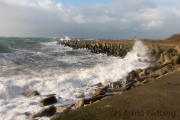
point(92, 99)
point(130, 84)
point(118, 90)
point(126, 81)
point(145, 81)
point(143, 74)
point(115, 84)
point(47, 112)
point(79, 103)
point(140, 79)
point(32, 94)
point(151, 78)
point(132, 75)
point(161, 59)
point(99, 91)
point(160, 72)
point(97, 101)
point(152, 69)
point(64, 108)
point(167, 59)
point(107, 85)
point(176, 59)
point(153, 74)
point(168, 68)
point(176, 68)
point(138, 83)
point(47, 101)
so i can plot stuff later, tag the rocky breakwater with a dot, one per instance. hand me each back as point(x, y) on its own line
point(167, 61)
point(99, 47)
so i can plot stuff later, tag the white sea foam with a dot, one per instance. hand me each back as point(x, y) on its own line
point(65, 38)
point(65, 83)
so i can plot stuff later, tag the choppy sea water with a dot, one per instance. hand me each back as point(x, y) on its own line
point(28, 64)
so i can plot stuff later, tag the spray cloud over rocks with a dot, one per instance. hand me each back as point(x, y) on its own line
point(140, 52)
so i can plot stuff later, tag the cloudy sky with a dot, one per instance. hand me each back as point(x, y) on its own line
point(116, 19)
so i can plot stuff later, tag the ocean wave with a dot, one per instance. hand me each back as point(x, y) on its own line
point(54, 69)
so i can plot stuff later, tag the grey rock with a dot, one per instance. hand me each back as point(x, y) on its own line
point(138, 83)
point(115, 84)
point(125, 82)
point(93, 99)
point(99, 91)
point(47, 101)
point(47, 112)
point(32, 94)
point(64, 108)
point(79, 103)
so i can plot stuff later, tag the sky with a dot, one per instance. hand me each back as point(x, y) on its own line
point(96, 19)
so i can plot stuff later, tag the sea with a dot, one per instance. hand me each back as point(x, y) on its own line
point(40, 64)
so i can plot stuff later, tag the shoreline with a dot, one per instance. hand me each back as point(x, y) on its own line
point(159, 99)
point(134, 78)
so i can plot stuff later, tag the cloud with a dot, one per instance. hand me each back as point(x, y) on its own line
point(31, 3)
point(46, 4)
point(152, 24)
point(79, 19)
point(59, 6)
point(118, 19)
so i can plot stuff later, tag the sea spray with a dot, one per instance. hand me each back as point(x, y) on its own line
point(140, 52)
point(65, 38)
point(54, 69)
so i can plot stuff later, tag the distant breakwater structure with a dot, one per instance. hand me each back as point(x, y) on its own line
point(99, 47)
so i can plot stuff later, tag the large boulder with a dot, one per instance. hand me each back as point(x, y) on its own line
point(164, 70)
point(47, 101)
point(118, 90)
point(167, 59)
point(176, 59)
point(158, 51)
point(160, 72)
point(99, 91)
point(143, 74)
point(64, 108)
point(140, 79)
point(47, 112)
point(93, 99)
point(178, 49)
point(79, 103)
point(129, 80)
point(161, 59)
point(115, 84)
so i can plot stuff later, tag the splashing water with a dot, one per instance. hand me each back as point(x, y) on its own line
point(58, 70)
point(65, 38)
